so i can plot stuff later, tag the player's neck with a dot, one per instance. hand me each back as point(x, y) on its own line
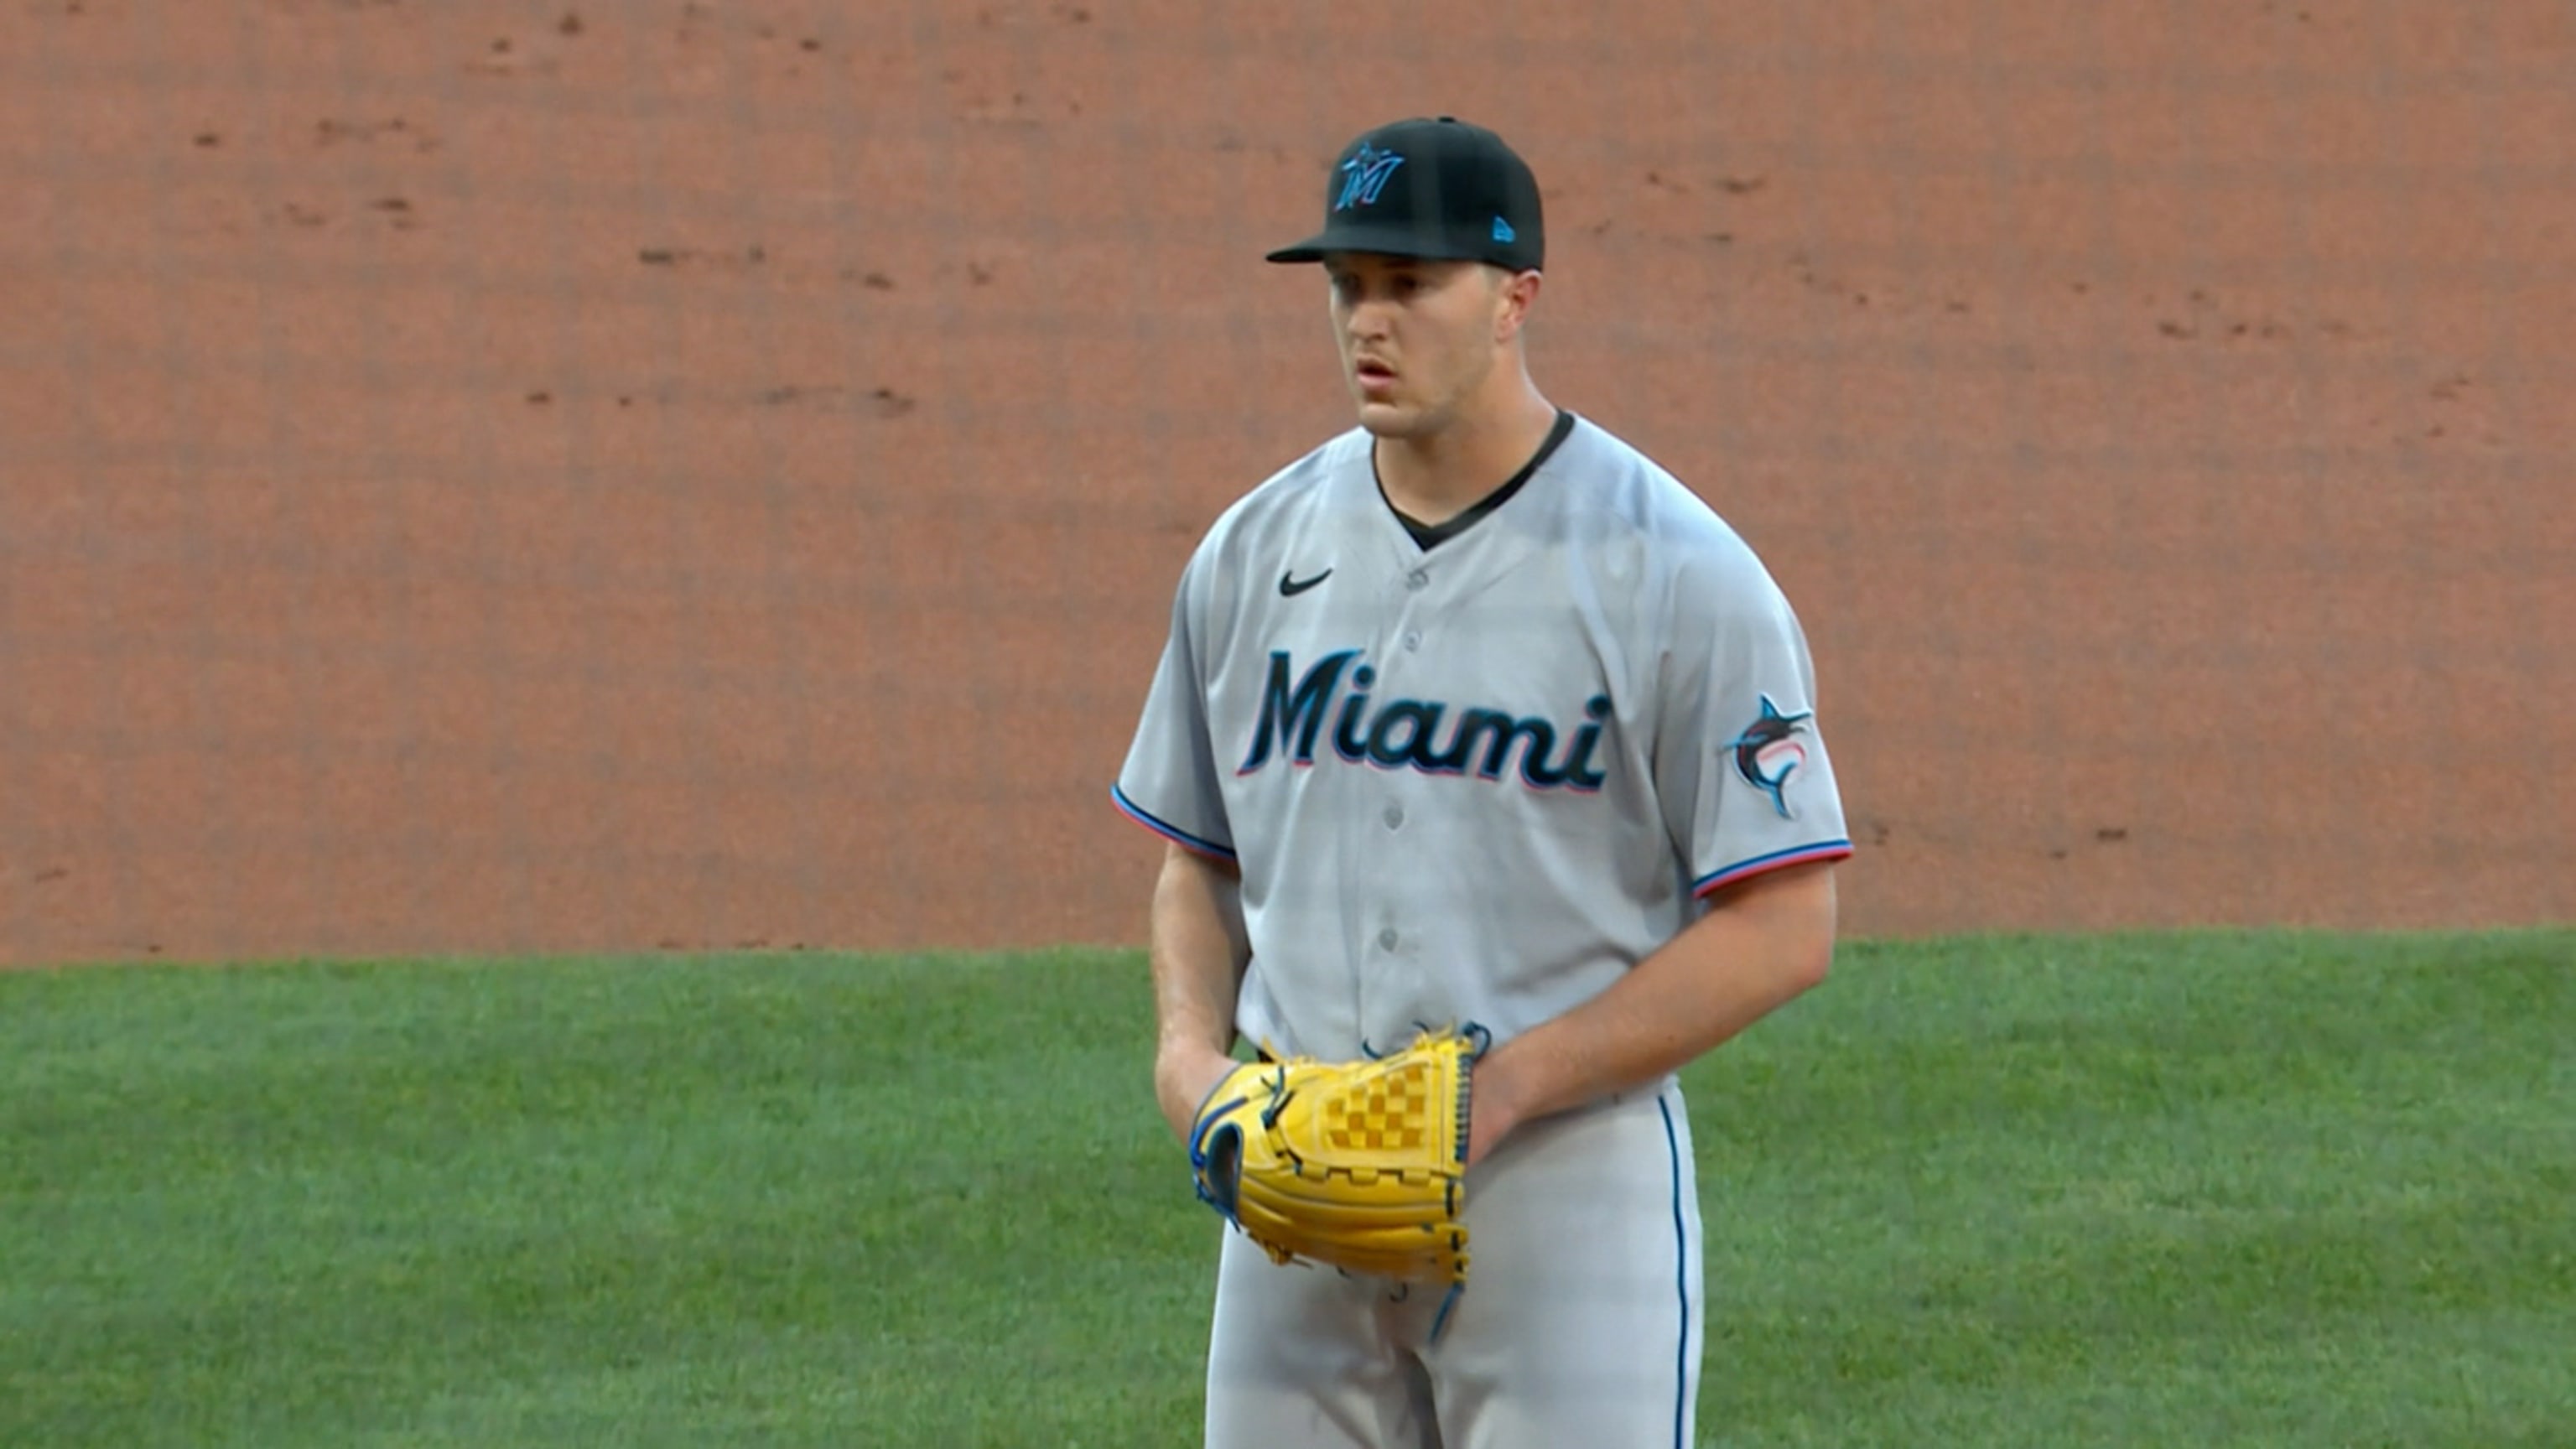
point(1434, 478)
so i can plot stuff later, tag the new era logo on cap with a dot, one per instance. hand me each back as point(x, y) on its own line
point(1503, 231)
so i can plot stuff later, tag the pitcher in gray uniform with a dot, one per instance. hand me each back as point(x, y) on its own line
point(1474, 715)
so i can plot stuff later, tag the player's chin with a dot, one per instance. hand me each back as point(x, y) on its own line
point(1389, 419)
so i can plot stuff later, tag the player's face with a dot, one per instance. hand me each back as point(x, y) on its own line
point(1418, 338)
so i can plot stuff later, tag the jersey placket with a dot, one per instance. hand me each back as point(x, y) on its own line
point(1420, 585)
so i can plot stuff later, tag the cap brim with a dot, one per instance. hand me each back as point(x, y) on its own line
point(1391, 241)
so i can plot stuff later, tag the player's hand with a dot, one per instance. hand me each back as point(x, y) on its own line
point(1183, 1077)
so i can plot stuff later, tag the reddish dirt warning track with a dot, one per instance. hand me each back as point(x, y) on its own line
point(484, 476)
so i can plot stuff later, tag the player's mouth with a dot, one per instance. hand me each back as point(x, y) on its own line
point(1373, 376)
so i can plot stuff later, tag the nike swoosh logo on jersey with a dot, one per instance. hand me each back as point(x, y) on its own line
point(1290, 586)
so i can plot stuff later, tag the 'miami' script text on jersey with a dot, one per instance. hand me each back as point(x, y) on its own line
point(1407, 733)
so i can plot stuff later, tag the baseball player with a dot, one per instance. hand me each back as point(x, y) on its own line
point(1476, 715)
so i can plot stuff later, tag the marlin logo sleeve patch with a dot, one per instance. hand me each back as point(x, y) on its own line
point(1768, 753)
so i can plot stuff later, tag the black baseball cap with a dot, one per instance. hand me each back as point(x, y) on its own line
point(1437, 187)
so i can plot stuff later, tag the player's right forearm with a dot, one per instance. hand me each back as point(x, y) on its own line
point(1199, 952)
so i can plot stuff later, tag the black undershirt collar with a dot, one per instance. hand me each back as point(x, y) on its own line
point(1428, 536)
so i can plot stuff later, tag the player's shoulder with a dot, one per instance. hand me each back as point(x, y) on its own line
point(1245, 536)
point(1632, 499)
point(1289, 494)
point(1298, 484)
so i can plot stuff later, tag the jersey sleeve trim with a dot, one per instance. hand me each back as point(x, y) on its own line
point(1196, 844)
point(1778, 859)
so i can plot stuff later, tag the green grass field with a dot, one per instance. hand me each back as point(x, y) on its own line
point(2176, 1191)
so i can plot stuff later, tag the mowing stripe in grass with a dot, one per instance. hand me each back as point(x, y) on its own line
point(2210, 1188)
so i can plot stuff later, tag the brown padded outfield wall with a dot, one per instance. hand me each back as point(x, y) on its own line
point(482, 476)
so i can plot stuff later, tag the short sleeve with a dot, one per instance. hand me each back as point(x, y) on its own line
point(1169, 783)
point(1741, 770)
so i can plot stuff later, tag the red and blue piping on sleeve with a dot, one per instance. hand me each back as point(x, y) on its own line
point(1195, 844)
point(1744, 870)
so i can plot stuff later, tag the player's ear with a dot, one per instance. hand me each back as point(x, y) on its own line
point(1515, 293)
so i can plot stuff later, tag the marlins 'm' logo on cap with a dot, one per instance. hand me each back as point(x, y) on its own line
point(1365, 175)
point(1768, 752)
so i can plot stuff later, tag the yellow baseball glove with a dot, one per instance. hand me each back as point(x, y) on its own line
point(1359, 1165)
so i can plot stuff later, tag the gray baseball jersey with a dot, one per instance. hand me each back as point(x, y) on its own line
point(1475, 782)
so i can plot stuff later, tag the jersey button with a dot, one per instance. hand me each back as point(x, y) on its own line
point(1394, 816)
point(1386, 939)
point(1412, 640)
point(1417, 581)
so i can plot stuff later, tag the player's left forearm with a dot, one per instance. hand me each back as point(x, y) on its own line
point(1762, 945)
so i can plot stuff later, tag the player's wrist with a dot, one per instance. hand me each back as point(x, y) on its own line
point(1495, 1103)
point(1188, 1056)
point(1184, 1073)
